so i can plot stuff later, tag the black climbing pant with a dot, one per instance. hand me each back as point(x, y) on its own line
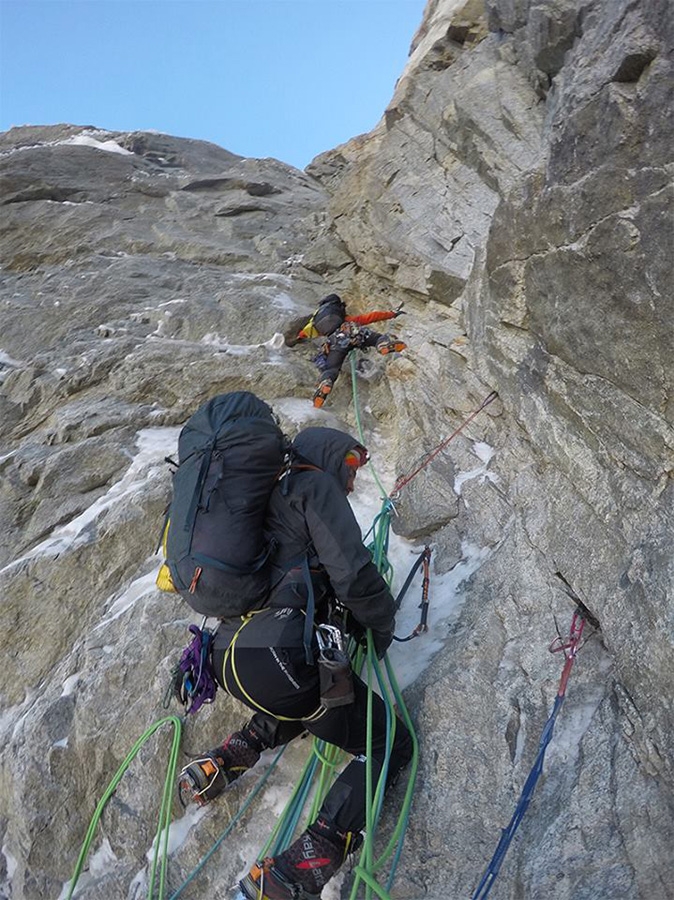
point(331, 362)
point(275, 681)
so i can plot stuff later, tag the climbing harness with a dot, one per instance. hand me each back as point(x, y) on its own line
point(230, 663)
point(194, 685)
point(569, 648)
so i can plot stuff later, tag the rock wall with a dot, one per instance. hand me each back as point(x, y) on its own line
point(517, 196)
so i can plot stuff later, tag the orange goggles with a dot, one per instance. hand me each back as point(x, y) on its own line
point(357, 457)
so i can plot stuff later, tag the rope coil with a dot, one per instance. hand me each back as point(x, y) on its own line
point(162, 836)
point(324, 758)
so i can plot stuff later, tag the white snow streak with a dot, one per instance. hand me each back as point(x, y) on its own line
point(146, 465)
point(86, 140)
point(484, 453)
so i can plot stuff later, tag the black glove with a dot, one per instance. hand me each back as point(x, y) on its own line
point(357, 632)
point(382, 641)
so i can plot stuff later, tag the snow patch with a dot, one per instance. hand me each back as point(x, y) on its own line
point(177, 831)
point(86, 140)
point(300, 412)
point(6, 360)
point(138, 588)
point(446, 596)
point(484, 453)
point(100, 862)
point(284, 301)
point(177, 835)
point(176, 300)
point(70, 684)
point(11, 865)
point(446, 599)
point(145, 466)
point(223, 346)
point(11, 861)
point(260, 276)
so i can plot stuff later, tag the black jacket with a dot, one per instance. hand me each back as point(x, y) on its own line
point(309, 513)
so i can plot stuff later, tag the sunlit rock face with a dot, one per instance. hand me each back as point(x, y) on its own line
point(516, 196)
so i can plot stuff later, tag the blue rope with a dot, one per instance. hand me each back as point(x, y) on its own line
point(508, 833)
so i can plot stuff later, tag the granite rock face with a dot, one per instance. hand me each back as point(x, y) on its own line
point(517, 196)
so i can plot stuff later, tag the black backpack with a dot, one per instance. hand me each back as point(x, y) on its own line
point(231, 453)
point(330, 314)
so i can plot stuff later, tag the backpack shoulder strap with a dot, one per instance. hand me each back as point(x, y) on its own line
point(295, 467)
point(302, 562)
point(310, 611)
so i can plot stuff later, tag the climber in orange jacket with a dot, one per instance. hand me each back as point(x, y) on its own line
point(342, 334)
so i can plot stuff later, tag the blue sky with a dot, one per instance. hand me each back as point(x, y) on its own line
point(282, 78)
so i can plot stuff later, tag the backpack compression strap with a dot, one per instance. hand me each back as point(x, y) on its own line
point(232, 569)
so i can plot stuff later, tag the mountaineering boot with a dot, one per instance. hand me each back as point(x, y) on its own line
point(303, 870)
point(390, 345)
point(322, 392)
point(206, 778)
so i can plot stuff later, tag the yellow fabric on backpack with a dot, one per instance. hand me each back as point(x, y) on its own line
point(163, 580)
point(308, 331)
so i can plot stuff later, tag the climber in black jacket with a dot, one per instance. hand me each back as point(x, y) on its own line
point(268, 661)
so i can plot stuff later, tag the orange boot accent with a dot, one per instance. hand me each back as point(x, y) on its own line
point(322, 392)
point(390, 346)
point(263, 882)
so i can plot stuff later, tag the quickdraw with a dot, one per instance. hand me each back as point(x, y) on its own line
point(405, 479)
point(570, 648)
point(192, 681)
point(425, 561)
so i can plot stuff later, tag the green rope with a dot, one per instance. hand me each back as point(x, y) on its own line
point(283, 831)
point(164, 823)
point(356, 409)
point(379, 550)
point(398, 835)
point(161, 839)
point(367, 867)
point(368, 850)
point(370, 882)
point(329, 757)
point(325, 758)
point(379, 546)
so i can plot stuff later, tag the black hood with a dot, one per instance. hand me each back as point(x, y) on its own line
point(326, 448)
